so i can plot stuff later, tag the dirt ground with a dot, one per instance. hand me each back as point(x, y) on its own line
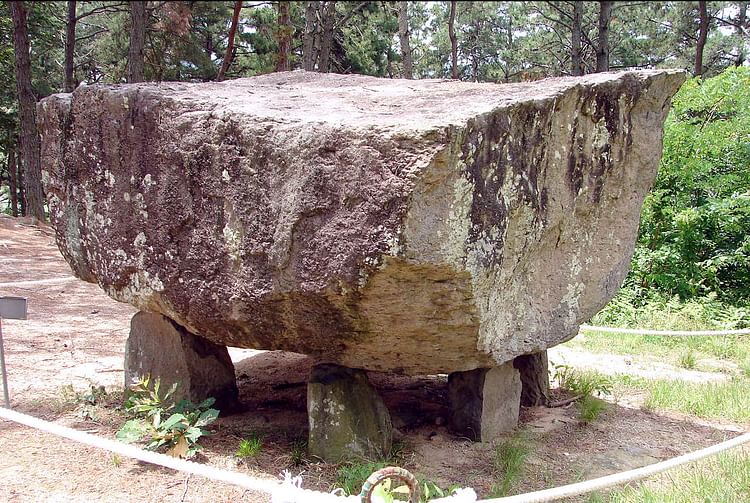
point(75, 338)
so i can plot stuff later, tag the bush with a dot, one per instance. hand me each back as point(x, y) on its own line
point(178, 433)
point(695, 227)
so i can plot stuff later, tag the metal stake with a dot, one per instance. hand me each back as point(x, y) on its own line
point(2, 368)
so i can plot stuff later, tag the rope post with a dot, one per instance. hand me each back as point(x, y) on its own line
point(14, 308)
point(6, 395)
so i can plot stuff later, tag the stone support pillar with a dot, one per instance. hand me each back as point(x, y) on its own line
point(484, 402)
point(348, 419)
point(160, 348)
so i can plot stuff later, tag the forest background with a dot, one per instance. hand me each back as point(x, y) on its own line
point(692, 260)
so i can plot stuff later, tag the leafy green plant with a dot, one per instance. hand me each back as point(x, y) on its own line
point(249, 447)
point(164, 424)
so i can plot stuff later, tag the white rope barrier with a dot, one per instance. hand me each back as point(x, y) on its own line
point(234, 478)
point(669, 333)
point(291, 491)
point(620, 478)
point(51, 281)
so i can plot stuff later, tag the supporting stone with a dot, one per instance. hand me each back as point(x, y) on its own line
point(160, 348)
point(348, 419)
point(484, 402)
point(534, 378)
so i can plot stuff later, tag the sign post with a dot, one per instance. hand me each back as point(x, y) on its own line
point(12, 308)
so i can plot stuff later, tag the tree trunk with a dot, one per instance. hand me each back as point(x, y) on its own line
point(229, 54)
point(403, 36)
point(309, 57)
point(576, 66)
point(22, 205)
point(602, 51)
point(702, 36)
point(30, 147)
point(740, 28)
point(534, 378)
point(13, 180)
point(70, 44)
point(326, 39)
point(284, 37)
point(137, 41)
point(454, 40)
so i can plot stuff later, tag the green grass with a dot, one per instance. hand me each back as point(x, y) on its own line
point(725, 400)
point(249, 447)
point(688, 359)
point(590, 408)
point(350, 476)
point(508, 463)
point(724, 478)
point(732, 348)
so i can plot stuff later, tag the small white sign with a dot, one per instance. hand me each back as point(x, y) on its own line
point(13, 308)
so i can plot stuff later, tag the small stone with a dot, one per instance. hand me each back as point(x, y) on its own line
point(348, 419)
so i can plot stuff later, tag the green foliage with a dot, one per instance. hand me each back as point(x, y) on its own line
point(508, 462)
point(298, 452)
point(695, 229)
point(582, 383)
point(688, 359)
point(352, 475)
point(249, 447)
point(178, 433)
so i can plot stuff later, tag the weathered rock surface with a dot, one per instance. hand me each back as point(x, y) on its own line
point(408, 226)
point(484, 403)
point(157, 347)
point(347, 418)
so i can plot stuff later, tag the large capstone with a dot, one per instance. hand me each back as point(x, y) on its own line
point(416, 226)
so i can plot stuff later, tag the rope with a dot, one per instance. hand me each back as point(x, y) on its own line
point(672, 333)
point(588, 486)
point(291, 492)
point(20, 284)
point(238, 479)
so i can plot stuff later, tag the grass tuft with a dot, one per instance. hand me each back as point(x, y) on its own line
point(590, 408)
point(249, 447)
point(688, 359)
point(508, 463)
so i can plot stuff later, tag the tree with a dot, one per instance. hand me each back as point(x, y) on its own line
point(403, 36)
point(454, 40)
point(284, 32)
point(12, 179)
point(309, 49)
point(602, 50)
point(30, 147)
point(229, 54)
point(137, 41)
point(702, 37)
point(576, 64)
point(70, 44)
point(328, 14)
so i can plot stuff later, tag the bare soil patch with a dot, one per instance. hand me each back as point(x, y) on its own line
point(75, 339)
